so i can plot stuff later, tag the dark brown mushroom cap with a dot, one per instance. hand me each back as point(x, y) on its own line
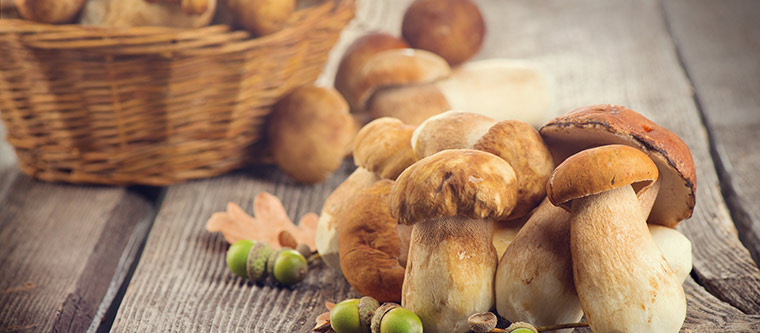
point(600, 169)
point(370, 246)
point(384, 146)
point(464, 182)
point(603, 124)
point(522, 147)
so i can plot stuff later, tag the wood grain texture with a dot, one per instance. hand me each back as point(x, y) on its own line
point(719, 45)
point(597, 52)
point(182, 282)
point(65, 250)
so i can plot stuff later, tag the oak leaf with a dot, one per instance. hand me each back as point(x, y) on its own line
point(268, 220)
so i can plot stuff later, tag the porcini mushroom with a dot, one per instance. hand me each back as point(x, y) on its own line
point(372, 252)
point(310, 131)
point(502, 89)
point(604, 124)
point(382, 150)
point(354, 59)
point(453, 29)
point(449, 130)
point(622, 279)
point(452, 198)
point(49, 11)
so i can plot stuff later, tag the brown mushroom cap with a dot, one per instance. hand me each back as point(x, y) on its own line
point(310, 131)
point(397, 67)
point(453, 29)
point(449, 130)
point(412, 104)
point(600, 169)
point(453, 182)
point(384, 147)
point(603, 124)
point(356, 56)
point(49, 11)
point(370, 247)
point(522, 147)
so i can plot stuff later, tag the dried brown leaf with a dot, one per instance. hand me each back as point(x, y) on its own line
point(269, 220)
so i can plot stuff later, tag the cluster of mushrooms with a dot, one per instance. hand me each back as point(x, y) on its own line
point(591, 198)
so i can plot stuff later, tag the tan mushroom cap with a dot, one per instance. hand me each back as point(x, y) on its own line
point(384, 147)
point(453, 182)
point(370, 246)
point(412, 104)
point(604, 124)
point(600, 169)
point(397, 67)
point(310, 131)
point(357, 55)
point(449, 130)
point(522, 147)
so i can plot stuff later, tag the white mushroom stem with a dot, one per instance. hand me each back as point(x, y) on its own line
point(534, 281)
point(675, 247)
point(327, 234)
point(450, 272)
point(622, 279)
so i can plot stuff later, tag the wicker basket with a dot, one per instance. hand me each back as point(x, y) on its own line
point(151, 105)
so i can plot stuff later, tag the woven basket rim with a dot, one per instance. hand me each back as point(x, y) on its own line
point(224, 38)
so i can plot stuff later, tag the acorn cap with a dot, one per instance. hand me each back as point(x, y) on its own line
point(370, 246)
point(600, 169)
point(384, 147)
point(522, 147)
point(356, 56)
point(398, 67)
point(603, 124)
point(377, 318)
point(256, 264)
point(464, 182)
point(367, 307)
point(449, 130)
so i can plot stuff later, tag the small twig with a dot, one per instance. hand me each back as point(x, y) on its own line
point(314, 256)
point(561, 326)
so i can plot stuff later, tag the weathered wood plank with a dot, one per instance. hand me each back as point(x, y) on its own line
point(598, 52)
point(182, 282)
point(719, 44)
point(65, 252)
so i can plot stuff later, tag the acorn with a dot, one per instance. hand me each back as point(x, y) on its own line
point(237, 256)
point(400, 320)
point(288, 267)
point(256, 264)
point(521, 327)
point(344, 317)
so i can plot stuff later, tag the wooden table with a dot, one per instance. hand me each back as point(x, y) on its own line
point(138, 259)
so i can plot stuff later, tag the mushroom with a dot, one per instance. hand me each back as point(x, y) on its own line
point(373, 250)
point(49, 11)
point(134, 13)
point(522, 147)
point(453, 29)
point(356, 56)
point(675, 247)
point(604, 124)
point(452, 198)
point(622, 279)
point(502, 89)
point(449, 130)
point(262, 17)
point(310, 131)
point(382, 150)
point(397, 67)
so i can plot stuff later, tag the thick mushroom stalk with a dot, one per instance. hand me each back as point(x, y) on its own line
point(622, 279)
point(452, 198)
